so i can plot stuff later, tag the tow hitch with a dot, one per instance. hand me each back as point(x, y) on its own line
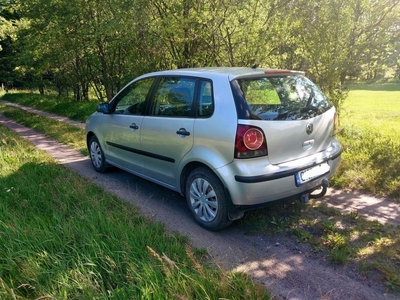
point(307, 195)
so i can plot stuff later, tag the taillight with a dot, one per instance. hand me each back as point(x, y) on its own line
point(250, 142)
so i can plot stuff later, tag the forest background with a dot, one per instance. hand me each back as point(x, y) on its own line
point(89, 49)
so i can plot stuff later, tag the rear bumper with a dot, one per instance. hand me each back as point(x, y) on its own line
point(275, 182)
point(281, 174)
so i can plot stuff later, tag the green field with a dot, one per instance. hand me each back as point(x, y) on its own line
point(370, 135)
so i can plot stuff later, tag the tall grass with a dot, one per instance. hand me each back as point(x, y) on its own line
point(64, 238)
point(370, 135)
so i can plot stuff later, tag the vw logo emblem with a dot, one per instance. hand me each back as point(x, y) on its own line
point(309, 128)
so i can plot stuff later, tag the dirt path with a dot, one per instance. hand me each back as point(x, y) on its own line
point(290, 270)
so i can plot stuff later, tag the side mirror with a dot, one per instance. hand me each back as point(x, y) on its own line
point(103, 108)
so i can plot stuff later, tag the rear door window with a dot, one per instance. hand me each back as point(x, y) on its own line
point(278, 98)
point(174, 97)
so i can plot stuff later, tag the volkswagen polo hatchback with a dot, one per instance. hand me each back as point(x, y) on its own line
point(228, 139)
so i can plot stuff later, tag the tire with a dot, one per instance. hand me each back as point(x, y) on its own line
point(97, 155)
point(207, 199)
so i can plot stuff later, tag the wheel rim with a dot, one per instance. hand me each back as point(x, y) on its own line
point(95, 154)
point(203, 199)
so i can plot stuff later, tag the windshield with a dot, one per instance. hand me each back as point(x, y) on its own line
point(278, 98)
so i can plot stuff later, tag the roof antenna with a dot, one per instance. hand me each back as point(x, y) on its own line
point(254, 66)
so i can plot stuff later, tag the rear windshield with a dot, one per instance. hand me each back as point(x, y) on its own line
point(278, 98)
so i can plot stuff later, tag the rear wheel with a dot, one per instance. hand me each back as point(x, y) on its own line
point(96, 155)
point(207, 199)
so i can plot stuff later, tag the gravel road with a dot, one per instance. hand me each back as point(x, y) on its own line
point(289, 269)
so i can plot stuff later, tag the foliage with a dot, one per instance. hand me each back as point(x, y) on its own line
point(9, 22)
point(334, 38)
point(99, 45)
point(82, 44)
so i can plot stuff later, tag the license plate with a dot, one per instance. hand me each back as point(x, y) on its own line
point(311, 173)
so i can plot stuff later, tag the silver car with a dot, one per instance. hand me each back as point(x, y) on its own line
point(228, 139)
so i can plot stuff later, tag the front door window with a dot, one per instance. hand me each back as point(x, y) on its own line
point(132, 100)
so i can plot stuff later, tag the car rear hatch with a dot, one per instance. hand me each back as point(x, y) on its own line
point(295, 116)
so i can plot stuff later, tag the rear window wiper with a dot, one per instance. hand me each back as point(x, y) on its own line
point(309, 105)
point(310, 99)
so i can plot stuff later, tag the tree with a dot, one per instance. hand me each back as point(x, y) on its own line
point(85, 42)
point(100, 45)
point(336, 38)
point(9, 20)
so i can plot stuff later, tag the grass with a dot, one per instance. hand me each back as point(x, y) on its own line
point(340, 238)
point(78, 111)
point(70, 135)
point(64, 238)
point(369, 133)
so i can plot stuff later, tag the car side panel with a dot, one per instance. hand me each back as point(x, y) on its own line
point(163, 148)
point(121, 142)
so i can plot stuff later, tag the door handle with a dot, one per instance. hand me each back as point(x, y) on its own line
point(134, 126)
point(183, 132)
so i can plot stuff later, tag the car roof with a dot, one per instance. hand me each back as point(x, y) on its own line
point(230, 72)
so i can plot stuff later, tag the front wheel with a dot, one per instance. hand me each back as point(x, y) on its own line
point(207, 199)
point(96, 155)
